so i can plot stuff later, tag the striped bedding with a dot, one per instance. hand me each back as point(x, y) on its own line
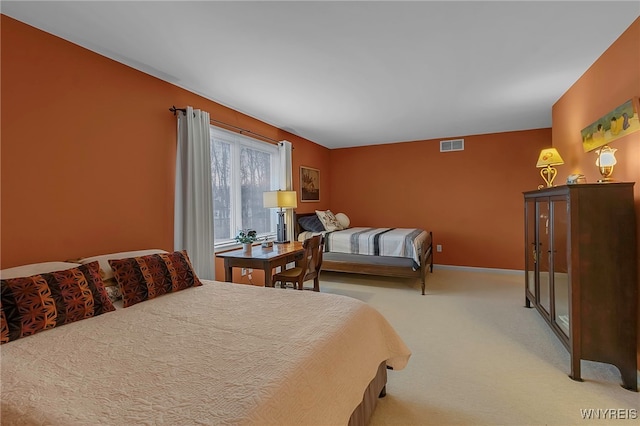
point(396, 242)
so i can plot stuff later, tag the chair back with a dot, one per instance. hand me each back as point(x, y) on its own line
point(313, 248)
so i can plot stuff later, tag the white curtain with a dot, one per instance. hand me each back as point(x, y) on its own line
point(193, 223)
point(286, 183)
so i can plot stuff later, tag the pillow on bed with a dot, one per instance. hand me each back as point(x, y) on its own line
point(47, 300)
point(329, 220)
point(35, 269)
point(146, 277)
point(343, 219)
point(104, 261)
point(110, 283)
point(311, 223)
point(113, 289)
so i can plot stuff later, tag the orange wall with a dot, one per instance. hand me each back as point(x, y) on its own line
point(612, 80)
point(471, 200)
point(88, 150)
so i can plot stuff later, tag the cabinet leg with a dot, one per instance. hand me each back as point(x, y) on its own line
point(575, 369)
point(629, 379)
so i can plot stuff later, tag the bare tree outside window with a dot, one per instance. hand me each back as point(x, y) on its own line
point(242, 169)
point(221, 174)
point(255, 172)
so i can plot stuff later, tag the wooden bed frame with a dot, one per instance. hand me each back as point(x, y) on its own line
point(376, 265)
point(377, 389)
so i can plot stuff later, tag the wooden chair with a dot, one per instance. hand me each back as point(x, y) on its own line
point(306, 269)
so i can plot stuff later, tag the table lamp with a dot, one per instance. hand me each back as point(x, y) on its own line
point(280, 200)
point(605, 162)
point(549, 157)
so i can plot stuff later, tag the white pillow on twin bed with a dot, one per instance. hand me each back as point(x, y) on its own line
point(35, 269)
point(343, 219)
point(104, 259)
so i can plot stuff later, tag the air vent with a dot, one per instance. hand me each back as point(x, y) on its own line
point(452, 145)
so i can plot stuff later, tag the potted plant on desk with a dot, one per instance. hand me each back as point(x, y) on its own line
point(246, 237)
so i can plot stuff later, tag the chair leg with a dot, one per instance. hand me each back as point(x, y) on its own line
point(316, 284)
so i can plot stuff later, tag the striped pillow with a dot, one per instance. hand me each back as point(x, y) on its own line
point(40, 302)
point(146, 277)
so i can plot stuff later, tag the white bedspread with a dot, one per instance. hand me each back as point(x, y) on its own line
point(217, 354)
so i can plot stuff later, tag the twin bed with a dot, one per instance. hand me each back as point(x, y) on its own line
point(393, 252)
point(204, 353)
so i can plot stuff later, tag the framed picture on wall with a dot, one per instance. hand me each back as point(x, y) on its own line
point(616, 124)
point(309, 184)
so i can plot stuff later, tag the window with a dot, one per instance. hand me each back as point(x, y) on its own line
point(241, 170)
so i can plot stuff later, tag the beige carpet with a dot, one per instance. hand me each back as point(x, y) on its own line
point(480, 357)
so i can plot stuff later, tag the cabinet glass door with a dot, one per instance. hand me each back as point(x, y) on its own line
point(544, 252)
point(531, 252)
point(560, 265)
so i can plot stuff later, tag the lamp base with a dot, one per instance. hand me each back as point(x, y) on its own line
point(548, 173)
point(282, 229)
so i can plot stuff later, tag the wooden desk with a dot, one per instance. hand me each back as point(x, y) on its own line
point(261, 258)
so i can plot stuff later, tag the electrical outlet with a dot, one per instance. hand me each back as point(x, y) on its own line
point(439, 248)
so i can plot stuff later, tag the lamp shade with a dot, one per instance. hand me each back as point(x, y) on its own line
point(549, 157)
point(606, 157)
point(280, 199)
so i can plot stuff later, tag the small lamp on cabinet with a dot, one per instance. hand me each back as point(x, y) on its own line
point(605, 162)
point(548, 158)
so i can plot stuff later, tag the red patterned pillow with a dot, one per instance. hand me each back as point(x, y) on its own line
point(145, 277)
point(40, 302)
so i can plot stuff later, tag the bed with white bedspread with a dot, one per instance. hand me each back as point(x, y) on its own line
point(219, 353)
point(397, 242)
point(395, 252)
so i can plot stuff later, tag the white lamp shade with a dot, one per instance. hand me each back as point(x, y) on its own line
point(606, 157)
point(280, 199)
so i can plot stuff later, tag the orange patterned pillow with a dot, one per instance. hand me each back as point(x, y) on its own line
point(146, 277)
point(40, 302)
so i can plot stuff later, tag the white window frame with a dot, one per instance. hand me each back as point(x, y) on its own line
point(237, 141)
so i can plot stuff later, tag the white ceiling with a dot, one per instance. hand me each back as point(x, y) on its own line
point(354, 73)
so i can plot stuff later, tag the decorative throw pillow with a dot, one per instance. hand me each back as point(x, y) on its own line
point(146, 277)
point(329, 220)
point(311, 223)
point(36, 269)
point(112, 288)
point(107, 272)
point(343, 219)
point(40, 302)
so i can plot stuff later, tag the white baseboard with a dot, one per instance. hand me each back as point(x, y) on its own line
point(478, 269)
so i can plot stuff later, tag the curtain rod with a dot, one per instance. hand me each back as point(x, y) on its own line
point(240, 130)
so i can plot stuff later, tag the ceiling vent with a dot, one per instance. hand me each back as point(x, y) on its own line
point(452, 145)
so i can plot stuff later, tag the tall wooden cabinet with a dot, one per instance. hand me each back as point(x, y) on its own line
point(581, 271)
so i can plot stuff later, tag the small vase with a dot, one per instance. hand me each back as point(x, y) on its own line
point(246, 247)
